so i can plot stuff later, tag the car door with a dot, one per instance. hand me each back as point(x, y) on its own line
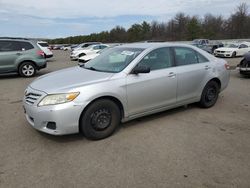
point(193, 71)
point(9, 52)
point(153, 90)
point(243, 49)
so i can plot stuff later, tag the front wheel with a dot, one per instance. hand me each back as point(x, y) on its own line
point(27, 69)
point(234, 54)
point(209, 95)
point(100, 120)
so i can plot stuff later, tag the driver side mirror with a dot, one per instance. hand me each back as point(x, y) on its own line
point(141, 69)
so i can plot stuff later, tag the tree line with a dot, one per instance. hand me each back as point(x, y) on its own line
point(180, 28)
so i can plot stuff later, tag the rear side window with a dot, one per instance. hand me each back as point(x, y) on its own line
point(201, 58)
point(188, 56)
point(185, 56)
point(8, 46)
point(43, 44)
point(26, 45)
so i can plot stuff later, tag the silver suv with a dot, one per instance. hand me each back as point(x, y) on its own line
point(121, 84)
point(20, 55)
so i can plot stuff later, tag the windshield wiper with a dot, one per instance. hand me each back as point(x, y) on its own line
point(90, 68)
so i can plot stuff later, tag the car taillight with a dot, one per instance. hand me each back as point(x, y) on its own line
point(41, 53)
point(227, 66)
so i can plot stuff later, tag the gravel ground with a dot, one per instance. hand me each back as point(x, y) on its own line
point(183, 147)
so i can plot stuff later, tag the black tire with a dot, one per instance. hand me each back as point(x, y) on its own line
point(27, 69)
point(234, 54)
point(209, 94)
point(100, 119)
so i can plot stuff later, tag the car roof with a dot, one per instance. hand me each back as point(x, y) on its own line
point(152, 45)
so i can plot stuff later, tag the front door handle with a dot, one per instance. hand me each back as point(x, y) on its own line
point(18, 53)
point(207, 67)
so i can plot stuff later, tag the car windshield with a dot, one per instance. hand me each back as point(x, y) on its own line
point(232, 46)
point(113, 60)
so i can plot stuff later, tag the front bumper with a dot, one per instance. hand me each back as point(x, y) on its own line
point(65, 116)
point(49, 55)
point(244, 70)
point(222, 54)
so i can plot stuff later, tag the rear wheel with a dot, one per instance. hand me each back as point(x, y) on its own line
point(27, 69)
point(209, 95)
point(100, 120)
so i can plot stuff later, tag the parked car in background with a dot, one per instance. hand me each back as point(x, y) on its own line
point(233, 50)
point(45, 48)
point(85, 45)
point(21, 55)
point(57, 47)
point(66, 47)
point(93, 49)
point(244, 66)
point(124, 83)
point(207, 45)
point(87, 57)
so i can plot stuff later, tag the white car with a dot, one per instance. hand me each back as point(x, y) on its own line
point(88, 57)
point(45, 48)
point(233, 50)
point(85, 45)
point(93, 49)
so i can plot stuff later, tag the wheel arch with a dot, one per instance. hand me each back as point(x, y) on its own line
point(24, 61)
point(217, 80)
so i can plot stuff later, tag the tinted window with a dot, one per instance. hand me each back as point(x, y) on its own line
point(185, 56)
point(243, 46)
point(26, 45)
point(8, 46)
point(157, 59)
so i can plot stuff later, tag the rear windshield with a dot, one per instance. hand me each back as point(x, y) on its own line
point(43, 44)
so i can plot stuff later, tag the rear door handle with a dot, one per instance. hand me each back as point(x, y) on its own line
point(171, 75)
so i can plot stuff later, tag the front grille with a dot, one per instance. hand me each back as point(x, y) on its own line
point(32, 97)
point(220, 51)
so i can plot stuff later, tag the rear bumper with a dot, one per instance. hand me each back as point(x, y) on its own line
point(49, 56)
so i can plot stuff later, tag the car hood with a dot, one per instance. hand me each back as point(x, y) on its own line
point(226, 49)
point(68, 79)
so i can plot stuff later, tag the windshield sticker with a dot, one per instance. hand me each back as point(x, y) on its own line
point(129, 53)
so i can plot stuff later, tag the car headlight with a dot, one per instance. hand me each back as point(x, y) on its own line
point(53, 99)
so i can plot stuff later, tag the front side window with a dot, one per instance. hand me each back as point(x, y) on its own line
point(157, 59)
point(8, 46)
point(243, 46)
point(113, 60)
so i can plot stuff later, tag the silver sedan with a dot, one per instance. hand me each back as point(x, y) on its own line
point(124, 83)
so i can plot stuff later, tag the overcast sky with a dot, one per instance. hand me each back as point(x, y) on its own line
point(61, 18)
